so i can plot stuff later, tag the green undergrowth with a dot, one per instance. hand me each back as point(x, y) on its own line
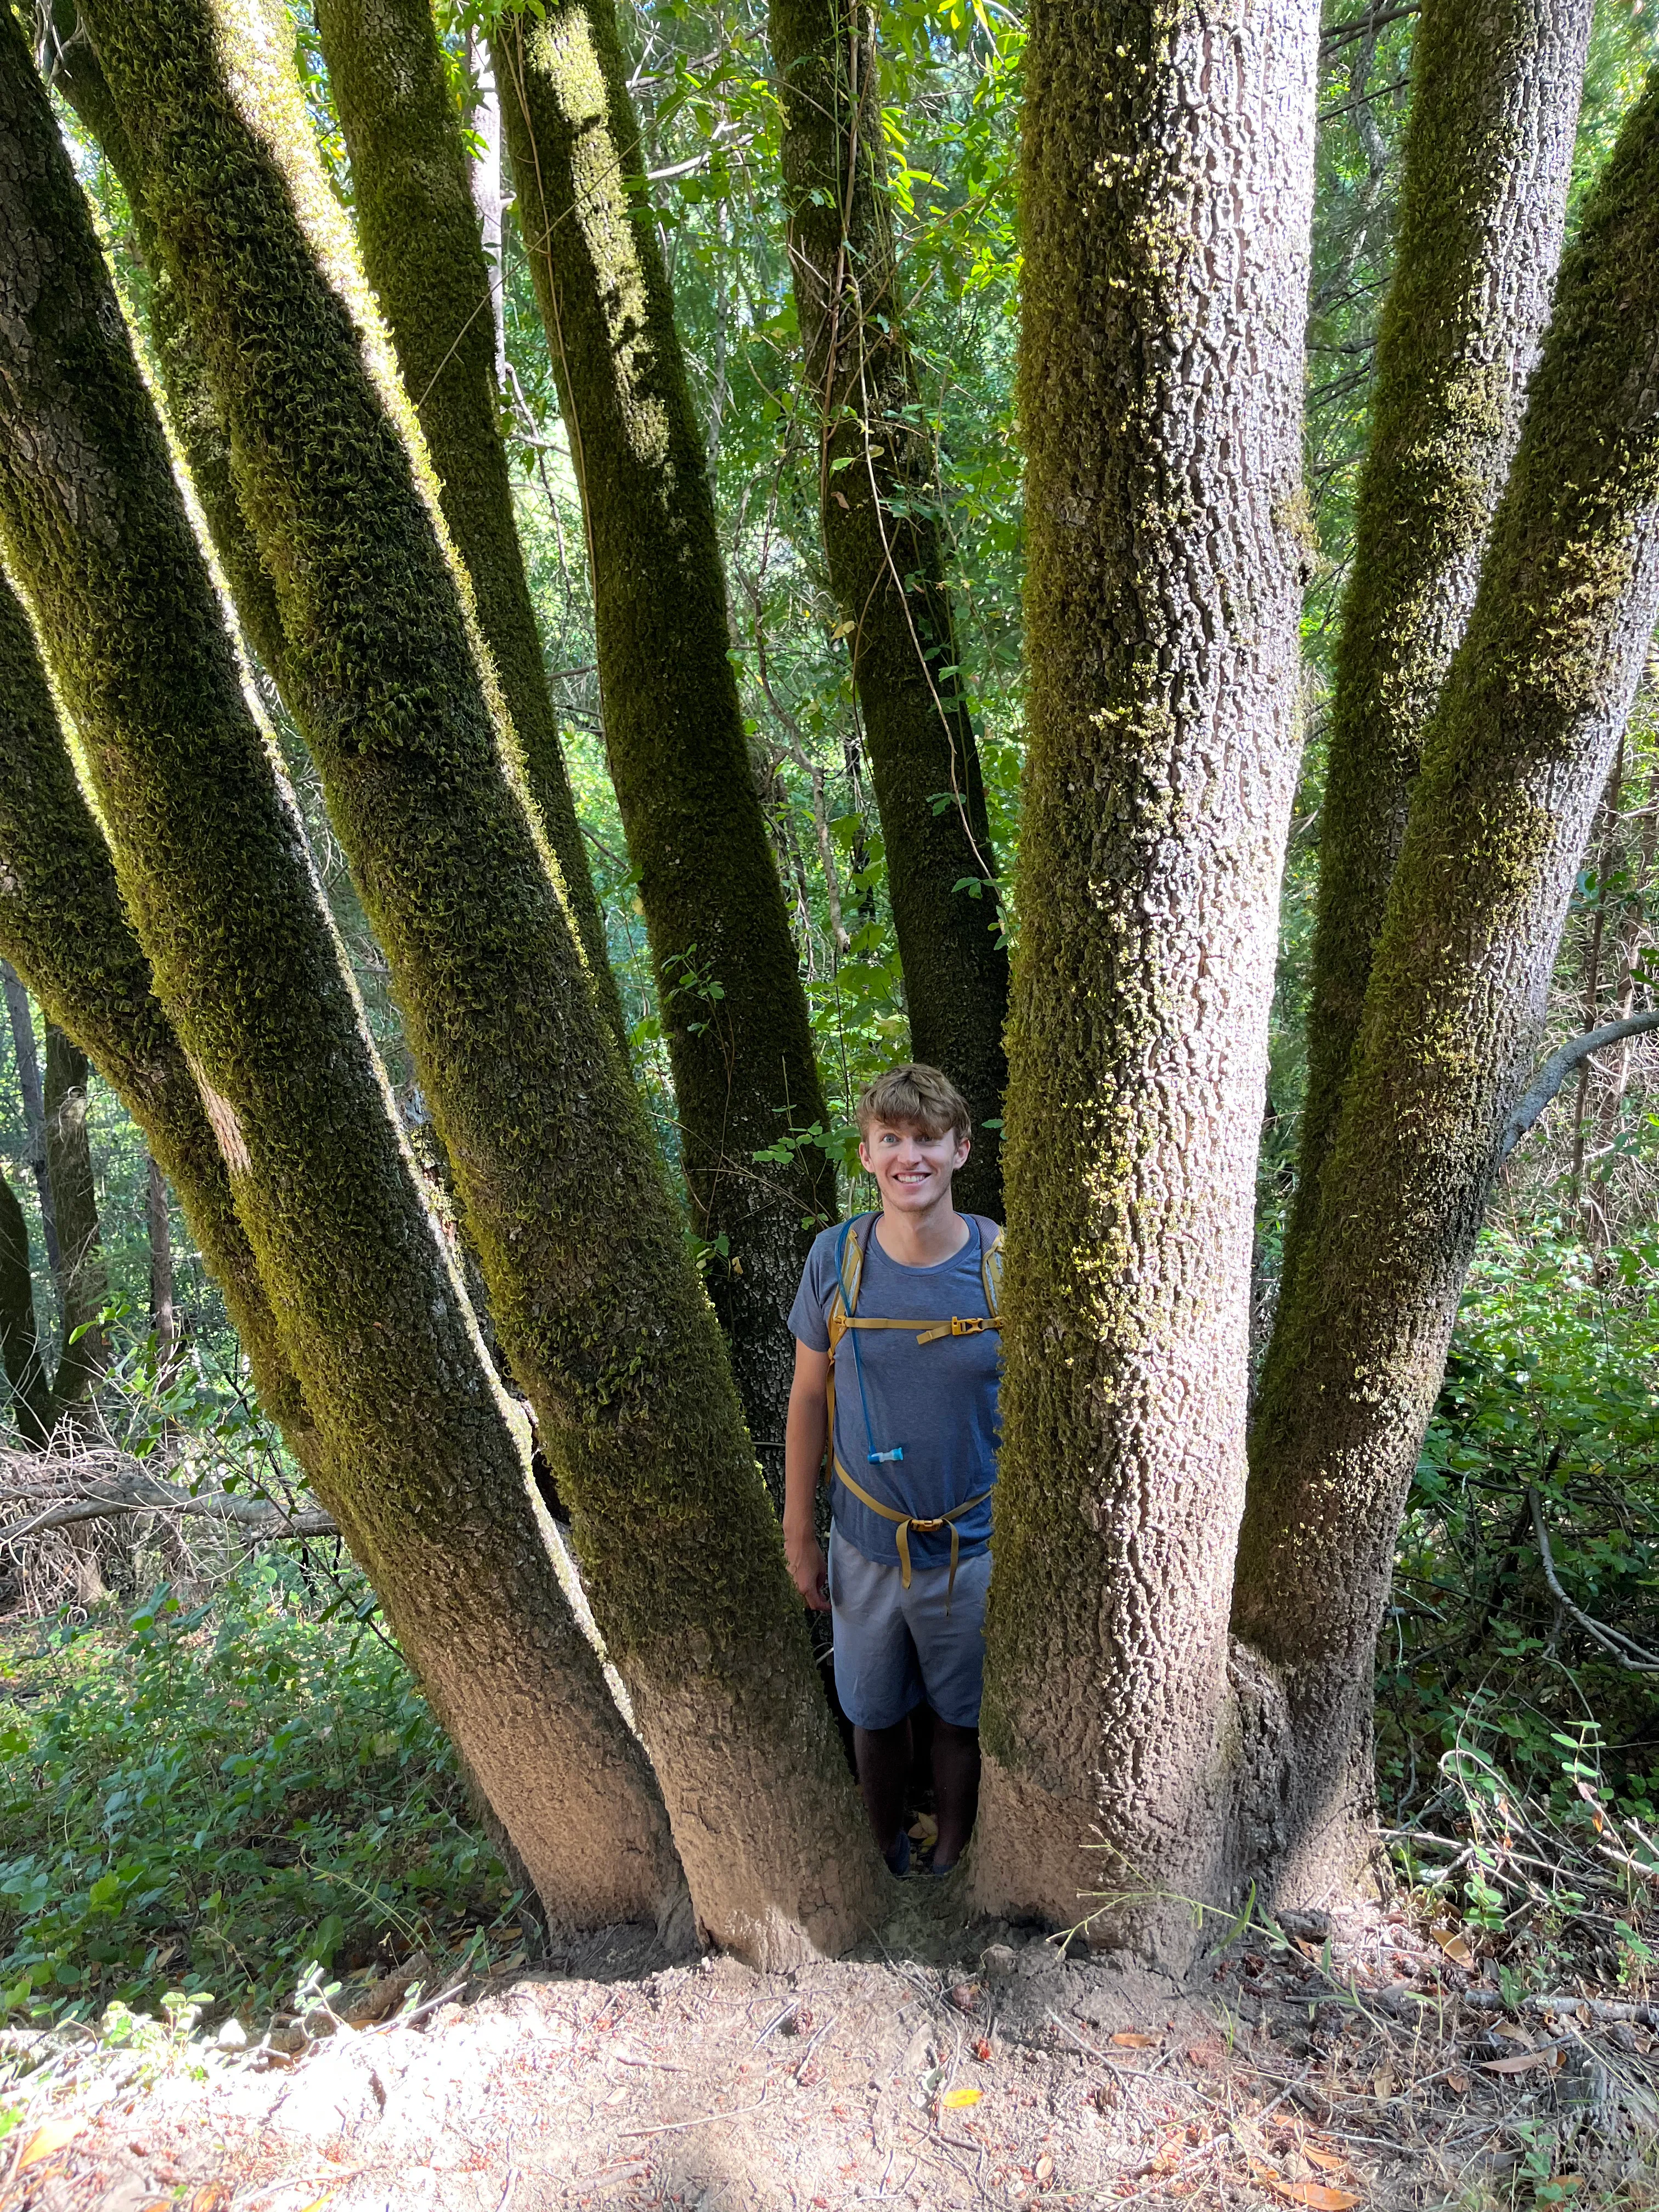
point(211, 1797)
point(1517, 1728)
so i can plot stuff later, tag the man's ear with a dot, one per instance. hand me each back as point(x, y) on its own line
point(963, 1150)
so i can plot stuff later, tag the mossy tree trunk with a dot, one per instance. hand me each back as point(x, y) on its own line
point(1167, 185)
point(84, 1276)
point(595, 1300)
point(1488, 153)
point(424, 1472)
point(61, 922)
point(418, 229)
point(742, 1061)
point(1513, 764)
point(880, 505)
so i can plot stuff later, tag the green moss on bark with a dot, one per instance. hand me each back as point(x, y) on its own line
point(1166, 196)
point(597, 1305)
point(421, 1466)
point(1513, 763)
point(879, 507)
point(63, 928)
point(418, 232)
point(743, 1063)
point(1488, 152)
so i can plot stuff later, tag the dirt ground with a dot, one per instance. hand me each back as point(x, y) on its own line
point(1359, 2065)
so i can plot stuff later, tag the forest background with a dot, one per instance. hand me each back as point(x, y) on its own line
point(127, 1865)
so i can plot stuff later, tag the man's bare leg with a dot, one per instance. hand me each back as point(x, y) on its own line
point(884, 1765)
point(956, 1790)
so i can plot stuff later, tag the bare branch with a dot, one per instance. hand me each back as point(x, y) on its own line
point(1630, 1655)
point(1560, 1065)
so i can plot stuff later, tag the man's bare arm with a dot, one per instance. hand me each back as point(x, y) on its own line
point(803, 1463)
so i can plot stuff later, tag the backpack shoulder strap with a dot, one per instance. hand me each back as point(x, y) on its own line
point(990, 1262)
point(849, 1272)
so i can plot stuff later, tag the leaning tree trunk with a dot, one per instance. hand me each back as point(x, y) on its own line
point(597, 1305)
point(63, 923)
point(1513, 764)
point(1488, 154)
point(418, 232)
point(19, 1342)
point(1167, 176)
point(192, 411)
point(426, 1476)
point(34, 1100)
point(733, 1009)
point(879, 502)
point(84, 1276)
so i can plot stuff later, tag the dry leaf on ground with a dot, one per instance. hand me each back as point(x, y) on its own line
point(1316, 2196)
point(45, 2140)
point(953, 2099)
point(1127, 2040)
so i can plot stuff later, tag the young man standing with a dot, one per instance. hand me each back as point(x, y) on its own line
point(899, 1336)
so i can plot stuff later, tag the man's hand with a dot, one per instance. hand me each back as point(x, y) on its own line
point(809, 1567)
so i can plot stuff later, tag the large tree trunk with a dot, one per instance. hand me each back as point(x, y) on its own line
point(422, 1468)
point(34, 1102)
point(418, 232)
point(1167, 170)
point(743, 1065)
point(63, 923)
point(1513, 764)
point(163, 1314)
point(880, 500)
point(1488, 154)
point(597, 1305)
point(19, 1342)
point(84, 1278)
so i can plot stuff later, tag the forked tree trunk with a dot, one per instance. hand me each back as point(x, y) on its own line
point(83, 1277)
point(423, 1467)
point(418, 232)
point(20, 1341)
point(1167, 180)
point(1513, 764)
point(733, 1009)
point(596, 1303)
point(1488, 153)
point(879, 499)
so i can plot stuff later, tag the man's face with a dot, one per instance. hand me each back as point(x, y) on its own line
point(913, 1172)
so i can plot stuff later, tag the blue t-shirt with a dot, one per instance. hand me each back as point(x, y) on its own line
point(938, 1401)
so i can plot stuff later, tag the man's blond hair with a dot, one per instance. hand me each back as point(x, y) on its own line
point(915, 1097)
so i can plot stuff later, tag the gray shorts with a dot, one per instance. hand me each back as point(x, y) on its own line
point(894, 1646)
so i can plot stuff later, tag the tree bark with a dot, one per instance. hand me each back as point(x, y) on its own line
point(1167, 184)
point(1513, 764)
point(20, 1343)
point(1487, 157)
point(422, 1466)
point(85, 1351)
point(417, 229)
point(35, 1103)
point(880, 504)
point(742, 1060)
point(596, 1303)
point(63, 923)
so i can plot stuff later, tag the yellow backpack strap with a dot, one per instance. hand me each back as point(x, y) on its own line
point(990, 1264)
